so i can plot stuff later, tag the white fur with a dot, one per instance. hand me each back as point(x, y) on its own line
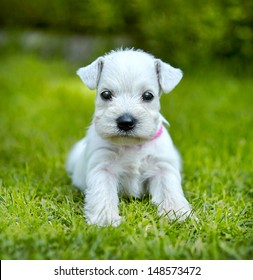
point(109, 162)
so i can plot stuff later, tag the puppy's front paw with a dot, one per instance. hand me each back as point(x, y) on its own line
point(103, 218)
point(175, 210)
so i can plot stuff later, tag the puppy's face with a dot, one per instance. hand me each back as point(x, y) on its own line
point(127, 102)
point(128, 87)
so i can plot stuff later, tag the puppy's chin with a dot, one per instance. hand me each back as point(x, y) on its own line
point(126, 140)
point(131, 138)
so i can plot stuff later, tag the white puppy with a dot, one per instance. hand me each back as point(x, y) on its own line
point(127, 150)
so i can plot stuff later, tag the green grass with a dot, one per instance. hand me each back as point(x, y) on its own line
point(44, 109)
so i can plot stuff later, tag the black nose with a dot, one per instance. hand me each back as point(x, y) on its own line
point(126, 122)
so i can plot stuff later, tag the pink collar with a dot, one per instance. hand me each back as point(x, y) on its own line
point(158, 133)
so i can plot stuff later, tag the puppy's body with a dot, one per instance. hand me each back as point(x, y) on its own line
point(127, 149)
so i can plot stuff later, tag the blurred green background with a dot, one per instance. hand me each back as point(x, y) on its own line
point(185, 33)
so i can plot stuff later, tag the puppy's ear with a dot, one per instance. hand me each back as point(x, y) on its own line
point(168, 76)
point(90, 74)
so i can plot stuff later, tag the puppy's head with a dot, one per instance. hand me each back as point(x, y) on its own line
point(129, 84)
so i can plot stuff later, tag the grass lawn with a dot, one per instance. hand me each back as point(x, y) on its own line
point(44, 109)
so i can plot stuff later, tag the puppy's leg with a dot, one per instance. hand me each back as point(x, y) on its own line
point(166, 191)
point(75, 164)
point(101, 193)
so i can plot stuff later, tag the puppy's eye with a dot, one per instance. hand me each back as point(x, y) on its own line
point(147, 96)
point(106, 95)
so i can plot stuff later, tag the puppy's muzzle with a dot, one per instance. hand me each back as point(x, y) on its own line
point(126, 122)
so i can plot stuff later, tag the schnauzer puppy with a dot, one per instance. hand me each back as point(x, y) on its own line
point(127, 149)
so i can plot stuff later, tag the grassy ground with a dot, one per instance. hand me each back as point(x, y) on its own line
point(44, 109)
